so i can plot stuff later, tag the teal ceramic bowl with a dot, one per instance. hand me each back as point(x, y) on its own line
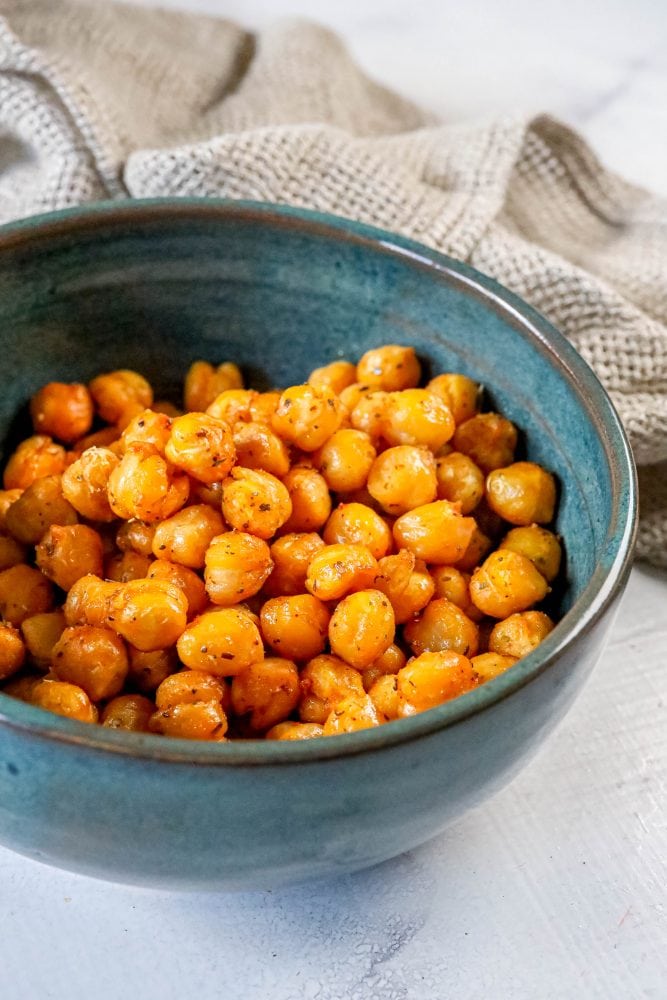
point(155, 285)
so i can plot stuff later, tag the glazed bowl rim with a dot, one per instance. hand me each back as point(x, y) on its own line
point(608, 578)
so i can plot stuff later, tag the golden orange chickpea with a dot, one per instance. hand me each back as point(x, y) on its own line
point(335, 376)
point(233, 405)
point(488, 438)
point(460, 481)
point(294, 731)
point(390, 367)
point(63, 698)
point(367, 414)
point(403, 477)
point(222, 642)
point(93, 658)
point(414, 597)
point(523, 493)
point(89, 600)
point(436, 532)
point(336, 570)
point(307, 416)
point(520, 633)
point(149, 430)
point(21, 687)
point(291, 555)
point(350, 715)
point(267, 691)
point(130, 712)
point(202, 446)
point(389, 662)
point(433, 678)
point(476, 550)
point(125, 566)
point(34, 458)
point(345, 460)
point(189, 687)
point(61, 410)
point(106, 437)
point(459, 392)
point(506, 582)
point(295, 626)
point(39, 506)
point(324, 682)
point(12, 651)
point(200, 720)
point(384, 695)
point(417, 417)
point(185, 536)
point(7, 498)
point(148, 670)
point(263, 406)
point(255, 502)
point(85, 483)
point(120, 395)
point(454, 584)
point(351, 394)
point(186, 580)
point(442, 625)
point(203, 383)
point(490, 665)
point(310, 498)
point(145, 487)
point(167, 408)
point(24, 592)
point(136, 536)
point(539, 545)
point(356, 524)
point(237, 566)
point(68, 552)
point(40, 634)
point(362, 627)
point(11, 552)
point(150, 614)
point(394, 573)
point(258, 447)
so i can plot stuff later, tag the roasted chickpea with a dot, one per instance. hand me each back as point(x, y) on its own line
point(201, 720)
point(433, 678)
point(40, 634)
point(490, 665)
point(345, 460)
point(11, 552)
point(34, 458)
point(148, 430)
point(233, 405)
point(351, 394)
point(21, 687)
point(476, 549)
point(335, 376)
point(135, 536)
point(93, 658)
point(185, 536)
point(39, 506)
point(189, 687)
point(362, 627)
point(68, 552)
point(130, 712)
point(222, 643)
point(257, 447)
point(202, 446)
point(384, 695)
point(255, 502)
point(367, 415)
point(459, 481)
point(394, 573)
point(148, 670)
point(436, 532)
point(505, 583)
point(263, 406)
point(389, 662)
point(307, 415)
point(520, 634)
point(203, 383)
point(120, 395)
point(488, 439)
point(417, 594)
point(402, 478)
point(390, 367)
point(145, 487)
point(85, 483)
point(186, 580)
point(356, 524)
point(311, 501)
point(12, 651)
point(107, 437)
point(88, 601)
point(337, 570)
point(537, 544)
point(291, 555)
point(63, 698)
point(326, 681)
point(150, 614)
point(459, 392)
point(167, 408)
point(268, 691)
point(7, 498)
point(442, 625)
point(352, 714)
point(237, 565)
point(296, 626)
point(23, 592)
point(61, 410)
point(454, 584)
point(294, 731)
point(417, 417)
point(523, 493)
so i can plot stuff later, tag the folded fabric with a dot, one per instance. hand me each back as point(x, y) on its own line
point(111, 101)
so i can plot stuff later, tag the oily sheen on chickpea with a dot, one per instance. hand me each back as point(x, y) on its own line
point(284, 565)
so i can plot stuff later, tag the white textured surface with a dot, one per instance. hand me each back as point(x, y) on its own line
point(555, 888)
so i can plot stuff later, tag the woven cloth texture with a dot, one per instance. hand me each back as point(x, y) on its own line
point(99, 100)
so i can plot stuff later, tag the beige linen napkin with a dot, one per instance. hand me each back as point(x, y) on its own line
point(99, 101)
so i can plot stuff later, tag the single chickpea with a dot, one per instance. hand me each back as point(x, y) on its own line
point(350, 715)
point(11, 552)
point(506, 582)
point(202, 446)
point(310, 497)
point(294, 731)
point(520, 634)
point(523, 493)
point(291, 555)
point(186, 580)
point(233, 405)
point(488, 439)
point(402, 478)
point(88, 601)
point(460, 481)
point(255, 502)
point(454, 584)
point(269, 691)
point(362, 627)
point(417, 417)
point(150, 614)
point(34, 458)
point(336, 570)
point(85, 483)
point(351, 394)
point(201, 720)
point(345, 460)
point(490, 665)
point(12, 651)
point(391, 367)
point(414, 597)
point(148, 430)
point(326, 681)
point(62, 410)
point(307, 416)
point(335, 376)
point(436, 532)
point(367, 415)
point(63, 698)
point(107, 437)
point(222, 643)
point(384, 695)
point(356, 524)
point(166, 407)
point(185, 536)
point(263, 406)
point(203, 383)
point(460, 394)
point(148, 670)
point(120, 395)
point(146, 487)
point(257, 447)
point(433, 678)
point(37, 509)
point(130, 712)
point(68, 552)
point(389, 662)
point(40, 634)
point(135, 536)
point(441, 626)
point(476, 550)
point(539, 545)
point(394, 573)
point(237, 565)
point(7, 498)
point(188, 687)
point(93, 658)
point(295, 627)
point(24, 592)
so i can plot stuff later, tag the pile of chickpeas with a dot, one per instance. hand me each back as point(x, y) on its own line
point(280, 565)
